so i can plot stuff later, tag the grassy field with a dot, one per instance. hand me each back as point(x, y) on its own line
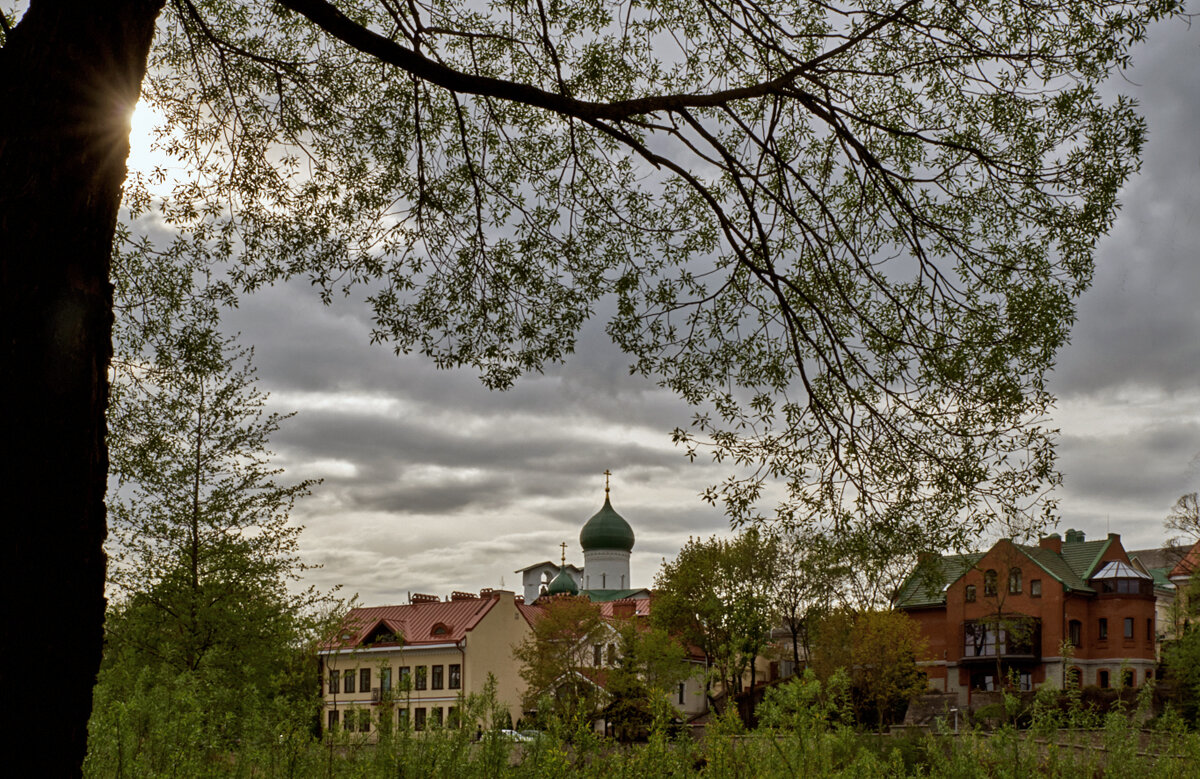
point(803, 732)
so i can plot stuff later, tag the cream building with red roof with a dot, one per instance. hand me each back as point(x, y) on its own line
point(414, 661)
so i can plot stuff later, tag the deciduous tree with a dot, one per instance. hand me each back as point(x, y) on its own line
point(878, 650)
point(716, 595)
point(649, 664)
point(1185, 519)
point(203, 551)
point(556, 659)
point(1182, 656)
point(810, 573)
point(201, 541)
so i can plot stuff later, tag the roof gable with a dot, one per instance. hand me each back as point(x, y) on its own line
point(1189, 564)
point(384, 632)
point(927, 585)
point(1056, 567)
point(414, 623)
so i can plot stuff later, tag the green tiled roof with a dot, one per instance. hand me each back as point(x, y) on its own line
point(927, 585)
point(603, 596)
point(1160, 578)
point(1083, 556)
point(1057, 567)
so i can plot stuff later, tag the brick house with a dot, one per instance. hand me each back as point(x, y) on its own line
point(1038, 614)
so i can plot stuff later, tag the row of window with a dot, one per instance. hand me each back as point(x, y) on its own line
point(990, 579)
point(1006, 638)
point(1125, 586)
point(986, 680)
point(1017, 636)
point(1128, 677)
point(361, 719)
point(434, 678)
point(1075, 630)
point(1106, 586)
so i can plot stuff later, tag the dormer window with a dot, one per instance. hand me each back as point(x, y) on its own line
point(440, 629)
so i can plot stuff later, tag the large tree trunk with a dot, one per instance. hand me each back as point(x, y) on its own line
point(70, 74)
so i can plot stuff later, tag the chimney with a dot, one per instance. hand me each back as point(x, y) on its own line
point(1074, 536)
point(1052, 542)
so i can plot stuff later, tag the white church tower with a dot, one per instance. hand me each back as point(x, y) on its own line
point(607, 540)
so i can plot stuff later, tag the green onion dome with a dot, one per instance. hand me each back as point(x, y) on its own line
point(606, 530)
point(562, 584)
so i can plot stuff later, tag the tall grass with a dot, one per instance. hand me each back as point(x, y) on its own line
point(805, 731)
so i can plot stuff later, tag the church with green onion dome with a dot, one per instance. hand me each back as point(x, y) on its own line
point(607, 543)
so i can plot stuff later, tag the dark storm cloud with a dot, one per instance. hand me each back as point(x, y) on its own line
point(302, 346)
point(1139, 467)
point(1138, 326)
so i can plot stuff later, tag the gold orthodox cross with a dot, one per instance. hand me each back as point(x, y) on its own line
point(564, 552)
point(607, 473)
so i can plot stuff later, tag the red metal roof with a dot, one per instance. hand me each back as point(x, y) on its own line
point(531, 613)
point(641, 606)
point(415, 622)
point(1189, 563)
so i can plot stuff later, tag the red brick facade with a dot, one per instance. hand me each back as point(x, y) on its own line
point(1034, 614)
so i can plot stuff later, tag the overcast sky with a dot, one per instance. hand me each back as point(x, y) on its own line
point(432, 483)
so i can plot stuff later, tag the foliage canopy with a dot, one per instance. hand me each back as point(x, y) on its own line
point(878, 651)
point(852, 235)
